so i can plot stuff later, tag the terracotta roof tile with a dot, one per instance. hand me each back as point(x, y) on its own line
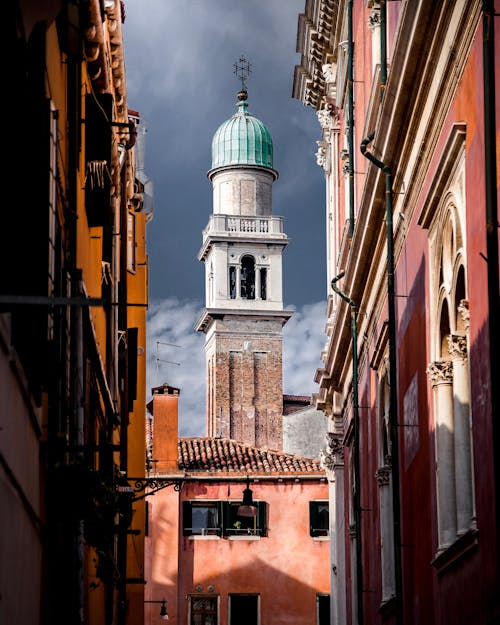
point(226, 455)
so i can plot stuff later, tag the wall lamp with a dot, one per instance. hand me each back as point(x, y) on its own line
point(247, 508)
point(163, 609)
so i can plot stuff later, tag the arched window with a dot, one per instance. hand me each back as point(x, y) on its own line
point(247, 278)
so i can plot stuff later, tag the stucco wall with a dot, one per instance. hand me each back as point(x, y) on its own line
point(286, 568)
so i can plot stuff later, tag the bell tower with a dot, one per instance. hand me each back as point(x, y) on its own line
point(243, 318)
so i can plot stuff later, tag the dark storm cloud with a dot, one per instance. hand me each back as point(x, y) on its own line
point(179, 57)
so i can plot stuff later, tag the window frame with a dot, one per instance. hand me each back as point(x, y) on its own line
point(318, 532)
point(187, 518)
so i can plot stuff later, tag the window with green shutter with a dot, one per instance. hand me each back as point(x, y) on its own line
point(235, 525)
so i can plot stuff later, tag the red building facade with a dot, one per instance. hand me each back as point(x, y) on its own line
point(214, 567)
point(405, 95)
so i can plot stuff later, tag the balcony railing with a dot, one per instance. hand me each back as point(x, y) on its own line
point(228, 224)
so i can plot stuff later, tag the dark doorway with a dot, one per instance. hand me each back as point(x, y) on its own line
point(243, 609)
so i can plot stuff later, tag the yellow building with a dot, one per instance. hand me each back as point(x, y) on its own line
point(73, 298)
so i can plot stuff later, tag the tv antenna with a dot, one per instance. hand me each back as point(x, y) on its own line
point(242, 69)
point(158, 359)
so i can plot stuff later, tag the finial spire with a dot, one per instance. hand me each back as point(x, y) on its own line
point(242, 69)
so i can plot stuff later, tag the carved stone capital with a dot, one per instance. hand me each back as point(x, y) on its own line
point(321, 154)
point(328, 117)
point(333, 453)
point(374, 18)
point(383, 475)
point(440, 372)
point(457, 346)
point(330, 72)
point(463, 309)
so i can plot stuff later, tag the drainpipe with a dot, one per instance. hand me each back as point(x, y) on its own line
point(383, 47)
point(490, 169)
point(357, 472)
point(393, 403)
point(350, 116)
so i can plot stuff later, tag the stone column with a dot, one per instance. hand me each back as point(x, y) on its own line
point(332, 460)
point(441, 377)
point(238, 282)
point(461, 415)
point(383, 477)
point(257, 281)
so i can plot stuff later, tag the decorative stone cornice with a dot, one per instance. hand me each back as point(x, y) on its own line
point(383, 475)
point(440, 372)
point(463, 309)
point(457, 346)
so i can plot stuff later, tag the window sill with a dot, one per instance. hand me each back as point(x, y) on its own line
point(321, 538)
point(452, 555)
point(244, 537)
point(206, 537)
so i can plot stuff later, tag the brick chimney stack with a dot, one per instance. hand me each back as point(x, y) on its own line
point(165, 410)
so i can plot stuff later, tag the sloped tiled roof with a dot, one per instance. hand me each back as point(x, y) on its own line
point(226, 455)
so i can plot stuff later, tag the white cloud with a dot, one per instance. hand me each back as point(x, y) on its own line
point(303, 341)
point(172, 339)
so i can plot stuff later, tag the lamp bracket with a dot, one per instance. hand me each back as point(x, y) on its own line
point(153, 485)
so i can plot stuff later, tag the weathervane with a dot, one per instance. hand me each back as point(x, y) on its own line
point(242, 69)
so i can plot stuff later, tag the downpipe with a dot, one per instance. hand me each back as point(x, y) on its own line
point(393, 403)
point(355, 417)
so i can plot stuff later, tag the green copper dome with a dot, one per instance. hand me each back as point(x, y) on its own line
point(242, 140)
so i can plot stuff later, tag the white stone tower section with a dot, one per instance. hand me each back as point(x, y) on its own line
point(242, 250)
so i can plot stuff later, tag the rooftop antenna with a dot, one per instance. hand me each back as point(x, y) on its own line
point(242, 69)
point(158, 359)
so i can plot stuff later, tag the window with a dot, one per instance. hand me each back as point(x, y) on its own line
point(263, 284)
point(243, 609)
point(247, 278)
point(220, 518)
point(235, 525)
point(319, 518)
point(203, 610)
point(323, 609)
point(202, 518)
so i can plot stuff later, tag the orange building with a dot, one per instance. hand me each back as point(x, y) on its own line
point(214, 566)
point(73, 298)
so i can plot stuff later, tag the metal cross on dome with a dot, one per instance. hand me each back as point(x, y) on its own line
point(242, 69)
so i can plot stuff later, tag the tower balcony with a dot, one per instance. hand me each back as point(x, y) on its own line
point(245, 225)
point(251, 229)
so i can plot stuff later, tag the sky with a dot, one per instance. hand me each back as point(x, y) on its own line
point(179, 57)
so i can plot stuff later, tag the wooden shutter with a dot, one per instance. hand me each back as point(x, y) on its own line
point(262, 517)
point(313, 518)
point(187, 518)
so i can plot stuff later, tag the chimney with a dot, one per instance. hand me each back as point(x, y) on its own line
point(165, 410)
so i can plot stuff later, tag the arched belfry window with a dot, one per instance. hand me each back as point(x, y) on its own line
point(247, 278)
